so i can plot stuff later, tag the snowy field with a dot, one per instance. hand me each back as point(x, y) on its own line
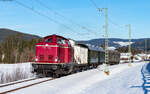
point(122, 80)
point(14, 72)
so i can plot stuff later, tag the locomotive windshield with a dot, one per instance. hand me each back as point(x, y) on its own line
point(50, 40)
point(69, 43)
point(61, 41)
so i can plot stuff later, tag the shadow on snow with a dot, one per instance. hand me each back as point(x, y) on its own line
point(145, 71)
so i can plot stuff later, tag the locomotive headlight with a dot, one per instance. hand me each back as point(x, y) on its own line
point(36, 59)
point(56, 59)
point(46, 45)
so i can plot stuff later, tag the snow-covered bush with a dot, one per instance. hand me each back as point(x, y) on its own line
point(14, 72)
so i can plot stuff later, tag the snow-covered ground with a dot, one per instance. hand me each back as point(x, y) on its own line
point(111, 48)
point(122, 80)
point(13, 72)
point(121, 43)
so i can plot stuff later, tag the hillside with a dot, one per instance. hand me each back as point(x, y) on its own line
point(113, 42)
point(7, 32)
point(117, 42)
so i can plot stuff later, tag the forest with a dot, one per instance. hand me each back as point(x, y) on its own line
point(15, 49)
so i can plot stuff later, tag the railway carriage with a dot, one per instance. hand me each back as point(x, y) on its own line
point(95, 56)
point(114, 57)
point(80, 56)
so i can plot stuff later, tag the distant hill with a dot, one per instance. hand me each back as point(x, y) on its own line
point(113, 42)
point(7, 32)
point(117, 42)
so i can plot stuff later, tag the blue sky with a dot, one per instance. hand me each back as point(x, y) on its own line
point(82, 12)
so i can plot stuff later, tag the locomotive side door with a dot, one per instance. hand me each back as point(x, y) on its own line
point(70, 52)
point(62, 43)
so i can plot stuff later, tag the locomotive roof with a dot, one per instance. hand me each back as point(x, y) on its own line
point(56, 36)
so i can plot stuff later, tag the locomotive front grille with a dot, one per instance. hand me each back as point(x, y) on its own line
point(50, 57)
point(41, 57)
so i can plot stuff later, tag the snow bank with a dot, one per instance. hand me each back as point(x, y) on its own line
point(14, 72)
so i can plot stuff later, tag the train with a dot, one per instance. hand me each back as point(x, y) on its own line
point(57, 56)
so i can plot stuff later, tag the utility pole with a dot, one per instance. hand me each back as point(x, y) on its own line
point(129, 47)
point(146, 48)
point(106, 69)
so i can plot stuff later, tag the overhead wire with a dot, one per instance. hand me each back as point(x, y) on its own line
point(60, 15)
point(49, 18)
point(95, 5)
point(45, 16)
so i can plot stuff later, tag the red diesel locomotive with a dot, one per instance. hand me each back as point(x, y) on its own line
point(57, 56)
point(53, 54)
point(49, 50)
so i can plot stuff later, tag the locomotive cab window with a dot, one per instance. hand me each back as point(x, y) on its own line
point(61, 41)
point(69, 43)
point(50, 40)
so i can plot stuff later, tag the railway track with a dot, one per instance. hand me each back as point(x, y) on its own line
point(21, 85)
point(12, 83)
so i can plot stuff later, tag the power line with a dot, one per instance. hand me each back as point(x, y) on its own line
point(94, 4)
point(43, 15)
point(115, 24)
point(69, 20)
